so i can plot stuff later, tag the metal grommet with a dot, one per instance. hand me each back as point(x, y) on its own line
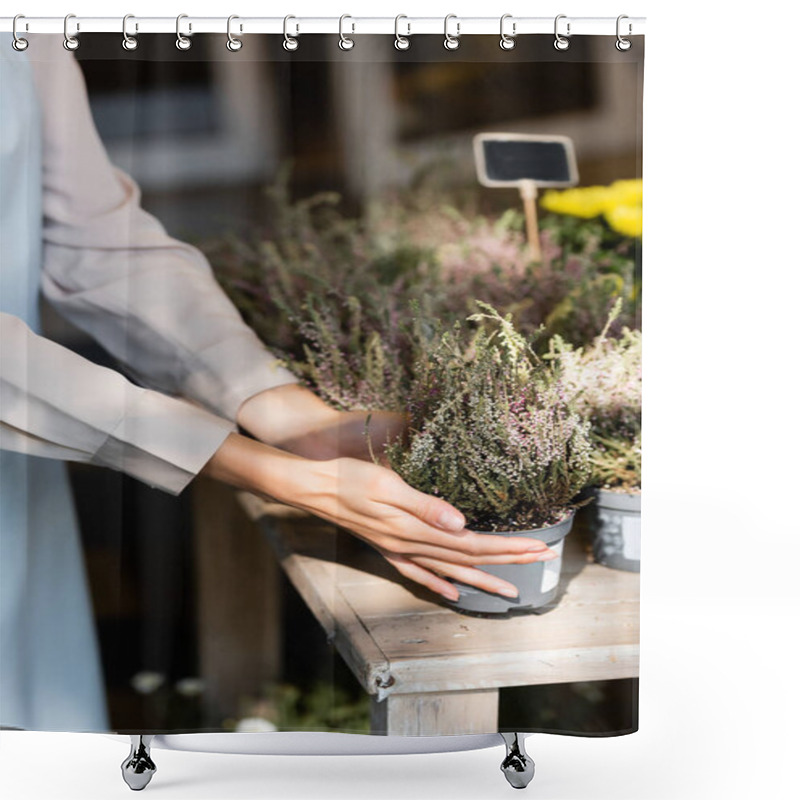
point(18, 43)
point(182, 42)
point(623, 44)
point(344, 42)
point(561, 42)
point(129, 42)
point(289, 42)
point(233, 44)
point(71, 43)
point(507, 42)
point(451, 42)
point(401, 42)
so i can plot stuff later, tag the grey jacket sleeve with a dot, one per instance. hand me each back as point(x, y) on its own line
point(57, 404)
point(112, 270)
point(150, 300)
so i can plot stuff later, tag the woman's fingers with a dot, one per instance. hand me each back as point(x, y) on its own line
point(407, 529)
point(403, 534)
point(432, 510)
point(421, 575)
point(424, 571)
point(469, 575)
point(412, 549)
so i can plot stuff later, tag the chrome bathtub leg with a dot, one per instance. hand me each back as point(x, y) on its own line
point(517, 766)
point(138, 768)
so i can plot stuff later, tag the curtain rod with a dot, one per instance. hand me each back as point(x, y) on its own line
point(295, 25)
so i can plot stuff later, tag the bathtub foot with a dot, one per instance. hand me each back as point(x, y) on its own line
point(138, 768)
point(517, 766)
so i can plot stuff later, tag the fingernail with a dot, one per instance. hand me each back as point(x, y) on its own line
point(451, 595)
point(548, 555)
point(450, 521)
point(508, 592)
point(537, 548)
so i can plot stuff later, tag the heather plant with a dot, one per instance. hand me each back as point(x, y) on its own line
point(491, 430)
point(327, 298)
point(585, 266)
point(333, 296)
point(604, 381)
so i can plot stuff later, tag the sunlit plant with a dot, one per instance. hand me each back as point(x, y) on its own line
point(604, 381)
point(491, 430)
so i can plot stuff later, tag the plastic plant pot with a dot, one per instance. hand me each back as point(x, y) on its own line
point(537, 582)
point(617, 527)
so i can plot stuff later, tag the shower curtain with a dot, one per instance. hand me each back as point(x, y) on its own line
point(231, 276)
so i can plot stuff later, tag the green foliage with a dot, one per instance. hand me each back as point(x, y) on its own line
point(322, 706)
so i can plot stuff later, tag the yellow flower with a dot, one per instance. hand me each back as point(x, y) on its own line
point(626, 193)
point(587, 202)
point(626, 220)
point(620, 203)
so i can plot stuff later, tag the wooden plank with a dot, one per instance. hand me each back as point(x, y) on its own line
point(485, 670)
point(424, 714)
point(579, 620)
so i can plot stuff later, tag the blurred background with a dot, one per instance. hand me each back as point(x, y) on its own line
point(185, 643)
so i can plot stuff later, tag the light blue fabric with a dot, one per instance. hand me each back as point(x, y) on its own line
point(50, 673)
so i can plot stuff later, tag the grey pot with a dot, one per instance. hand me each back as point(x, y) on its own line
point(537, 582)
point(617, 527)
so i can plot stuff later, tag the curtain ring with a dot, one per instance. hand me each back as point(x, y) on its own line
point(182, 42)
point(561, 42)
point(401, 42)
point(18, 43)
point(451, 42)
point(129, 42)
point(623, 44)
point(71, 43)
point(233, 44)
point(344, 42)
point(289, 42)
point(507, 41)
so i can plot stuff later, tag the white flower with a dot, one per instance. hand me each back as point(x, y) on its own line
point(147, 682)
point(190, 687)
point(255, 725)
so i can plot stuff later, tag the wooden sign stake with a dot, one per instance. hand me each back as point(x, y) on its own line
point(527, 190)
point(528, 161)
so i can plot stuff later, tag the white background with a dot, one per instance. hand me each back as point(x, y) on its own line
point(719, 687)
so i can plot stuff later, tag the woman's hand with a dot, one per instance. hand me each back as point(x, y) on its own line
point(293, 418)
point(422, 536)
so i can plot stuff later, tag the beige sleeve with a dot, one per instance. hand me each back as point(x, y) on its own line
point(112, 270)
point(56, 404)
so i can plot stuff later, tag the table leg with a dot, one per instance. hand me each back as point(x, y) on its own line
point(239, 608)
point(432, 714)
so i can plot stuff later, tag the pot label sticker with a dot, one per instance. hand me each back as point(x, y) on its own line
point(632, 537)
point(552, 569)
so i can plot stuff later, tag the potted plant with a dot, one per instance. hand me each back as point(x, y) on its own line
point(604, 381)
point(491, 432)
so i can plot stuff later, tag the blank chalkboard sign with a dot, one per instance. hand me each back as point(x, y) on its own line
point(508, 159)
point(526, 161)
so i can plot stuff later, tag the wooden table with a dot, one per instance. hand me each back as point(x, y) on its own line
point(431, 670)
